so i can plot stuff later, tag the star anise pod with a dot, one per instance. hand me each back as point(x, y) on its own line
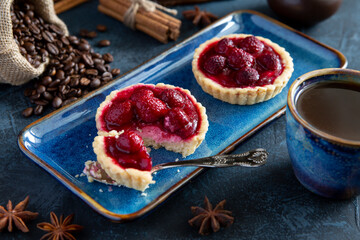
point(16, 215)
point(199, 17)
point(207, 219)
point(59, 229)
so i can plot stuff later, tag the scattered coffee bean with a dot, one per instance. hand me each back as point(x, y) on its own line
point(115, 72)
point(101, 28)
point(38, 110)
point(104, 43)
point(91, 35)
point(56, 103)
point(28, 112)
point(73, 68)
point(108, 57)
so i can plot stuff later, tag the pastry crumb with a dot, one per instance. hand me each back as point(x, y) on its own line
point(82, 174)
point(144, 194)
point(77, 175)
point(178, 170)
point(176, 160)
point(100, 190)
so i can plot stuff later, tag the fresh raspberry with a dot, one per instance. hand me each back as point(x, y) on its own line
point(238, 59)
point(247, 76)
point(215, 64)
point(129, 142)
point(150, 109)
point(188, 130)
point(224, 45)
point(119, 113)
point(175, 119)
point(190, 110)
point(173, 98)
point(141, 93)
point(269, 61)
point(266, 78)
point(252, 45)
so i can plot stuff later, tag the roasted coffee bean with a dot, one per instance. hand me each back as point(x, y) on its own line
point(100, 67)
point(91, 34)
point(95, 83)
point(40, 89)
point(98, 61)
point(84, 47)
point(104, 43)
point(46, 80)
point(74, 82)
point(84, 81)
point(108, 57)
point(101, 28)
point(56, 29)
point(60, 74)
point(34, 29)
point(52, 49)
point(96, 55)
point(115, 72)
point(92, 72)
point(28, 112)
point(38, 110)
point(56, 103)
point(47, 36)
point(87, 59)
point(54, 83)
point(72, 93)
point(65, 81)
point(51, 89)
point(29, 46)
point(65, 40)
point(108, 68)
point(69, 65)
point(106, 76)
point(47, 96)
point(41, 102)
point(74, 40)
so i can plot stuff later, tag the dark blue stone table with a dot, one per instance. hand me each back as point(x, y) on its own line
point(268, 203)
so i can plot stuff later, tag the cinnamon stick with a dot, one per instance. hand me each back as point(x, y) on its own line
point(156, 24)
point(114, 14)
point(64, 5)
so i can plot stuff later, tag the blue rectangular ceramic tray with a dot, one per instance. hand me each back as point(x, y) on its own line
point(62, 141)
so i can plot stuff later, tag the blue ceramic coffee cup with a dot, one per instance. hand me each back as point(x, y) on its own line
point(325, 164)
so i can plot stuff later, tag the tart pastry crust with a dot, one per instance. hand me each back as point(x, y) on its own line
point(244, 95)
point(134, 178)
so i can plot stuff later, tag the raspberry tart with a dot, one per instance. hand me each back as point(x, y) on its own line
point(242, 69)
point(146, 115)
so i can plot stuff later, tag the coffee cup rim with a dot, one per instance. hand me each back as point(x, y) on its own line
point(302, 121)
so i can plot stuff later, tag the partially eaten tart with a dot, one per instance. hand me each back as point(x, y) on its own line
point(146, 115)
point(242, 69)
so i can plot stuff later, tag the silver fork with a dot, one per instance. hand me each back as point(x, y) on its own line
point(253, 158)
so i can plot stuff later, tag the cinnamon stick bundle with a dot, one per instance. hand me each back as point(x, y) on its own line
point(63, 5)
point(157, 24)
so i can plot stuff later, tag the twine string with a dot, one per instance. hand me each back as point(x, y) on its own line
point(147, 5)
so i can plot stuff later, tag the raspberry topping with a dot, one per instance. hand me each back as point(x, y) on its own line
point(240, 62)
point(173, 98)
point(238, 59)
point(176, 119)
point(269, 61)
point(129, 158)
point(129, 142)
point(247, 76)
point(119, 113)
point(140, 93)
point(215, 64)
point(224, 45)
point(252, 45)
point(150, 109)
point(170, 109)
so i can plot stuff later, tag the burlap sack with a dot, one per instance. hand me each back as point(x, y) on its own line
point(14, 68)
